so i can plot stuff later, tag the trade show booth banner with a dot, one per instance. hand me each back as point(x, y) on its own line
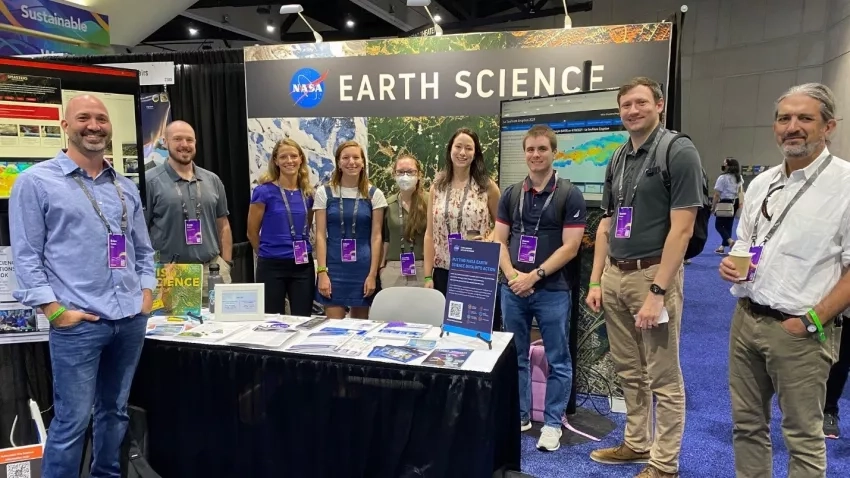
point(411, 94)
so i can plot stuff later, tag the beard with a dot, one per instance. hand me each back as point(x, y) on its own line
point(178, 155)
point(78, 139)
point(795, 151)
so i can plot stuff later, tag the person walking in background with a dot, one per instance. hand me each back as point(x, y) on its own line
point(463, 204)
point(349, 215)
point(836, 381)
point(728, 195)
point(540, 226)
point(404, 226)
point(637, 277)
point(83, 256)
point(187, 208)
point(279, 222)
point(796, 222)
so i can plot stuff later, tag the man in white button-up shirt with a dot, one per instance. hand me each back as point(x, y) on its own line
point(796, 221)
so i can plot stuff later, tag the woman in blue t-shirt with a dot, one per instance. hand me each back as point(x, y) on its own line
point(279, 222)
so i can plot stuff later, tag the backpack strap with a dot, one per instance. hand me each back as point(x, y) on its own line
point(612, 166)
point(667, 139)
point(562, 195)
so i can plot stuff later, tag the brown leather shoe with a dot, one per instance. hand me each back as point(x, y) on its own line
point(619, 455)
point(652, 472)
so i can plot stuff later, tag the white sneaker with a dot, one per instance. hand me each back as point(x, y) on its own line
point(550, 439)
point(525, 426)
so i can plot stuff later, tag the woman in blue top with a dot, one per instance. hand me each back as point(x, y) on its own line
point(349, 215)
point(279, 222)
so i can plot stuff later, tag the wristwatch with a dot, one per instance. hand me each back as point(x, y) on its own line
point(657, 290)
point(810, 327)
point(541, 273)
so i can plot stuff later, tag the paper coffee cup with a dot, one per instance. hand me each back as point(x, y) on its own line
point(742, 261)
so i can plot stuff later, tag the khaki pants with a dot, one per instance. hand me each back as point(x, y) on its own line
point(391, 276)
point(765, 360)
point(647, 362)
point(223, 269)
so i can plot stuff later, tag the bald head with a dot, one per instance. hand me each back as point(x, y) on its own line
point(180, 139)
point(87, 124)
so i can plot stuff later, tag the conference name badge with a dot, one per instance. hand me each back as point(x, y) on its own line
point(624, 223)
point(408, 264)
point(299, 250)
point(117, 245)
point(192, 228)
point(756, 252)
point(527, 249)
point(349, 250)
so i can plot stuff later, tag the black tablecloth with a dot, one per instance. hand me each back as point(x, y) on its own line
point(228, 412)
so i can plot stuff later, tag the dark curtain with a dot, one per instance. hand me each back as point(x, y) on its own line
point(224, 412)
point(24, 374)
point(209, 93)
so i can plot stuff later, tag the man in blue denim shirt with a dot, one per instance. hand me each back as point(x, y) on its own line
point(540, 233)
point(83, 255)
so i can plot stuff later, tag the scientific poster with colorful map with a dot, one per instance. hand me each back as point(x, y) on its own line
point(409, 95)
point(178, 289)
point(9, 171)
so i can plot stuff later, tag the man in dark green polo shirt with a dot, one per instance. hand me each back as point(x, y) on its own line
point(187, 208)
point(637, 277)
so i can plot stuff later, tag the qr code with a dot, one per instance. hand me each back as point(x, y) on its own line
point(455, 310)
point(18, 470)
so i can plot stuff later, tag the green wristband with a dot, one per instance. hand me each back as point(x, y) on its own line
point(429, 279)
point(816, 320)
point(59, 311)
point(516, 274)
point(594, 284)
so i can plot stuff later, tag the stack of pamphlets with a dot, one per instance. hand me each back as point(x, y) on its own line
point(396, 353)
point(402, 330)
point(269, 334)
point(164, 329)
point(210, 332)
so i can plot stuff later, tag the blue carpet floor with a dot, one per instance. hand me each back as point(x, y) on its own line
point(707, 446)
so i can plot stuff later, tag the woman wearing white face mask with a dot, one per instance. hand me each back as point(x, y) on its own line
point(404, 226)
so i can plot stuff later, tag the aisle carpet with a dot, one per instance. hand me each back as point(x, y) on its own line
point(707, 446)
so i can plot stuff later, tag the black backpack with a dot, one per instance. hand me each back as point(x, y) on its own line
point(700, 234)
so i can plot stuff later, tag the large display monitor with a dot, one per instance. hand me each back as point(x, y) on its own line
point(588, 128)
point(33, 97)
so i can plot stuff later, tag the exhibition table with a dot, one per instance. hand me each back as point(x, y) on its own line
point(225, 411)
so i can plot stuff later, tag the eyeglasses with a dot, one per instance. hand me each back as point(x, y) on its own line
point(764, 203)
point(407, 172)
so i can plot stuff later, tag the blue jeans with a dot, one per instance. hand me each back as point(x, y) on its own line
point(93, 365)
point(552, 310)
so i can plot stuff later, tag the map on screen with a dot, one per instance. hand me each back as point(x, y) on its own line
point(588, 129)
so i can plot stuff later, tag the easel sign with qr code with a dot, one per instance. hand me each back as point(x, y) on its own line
point(471, 292)
point(21, 462)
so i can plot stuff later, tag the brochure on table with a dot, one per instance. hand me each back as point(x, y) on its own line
point(394, 342)
point(471, 292)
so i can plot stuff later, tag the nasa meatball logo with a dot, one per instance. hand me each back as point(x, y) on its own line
point(307, 87)
point(457, 248)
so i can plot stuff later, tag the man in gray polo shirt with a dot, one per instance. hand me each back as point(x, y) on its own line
point(187, 208)
point(637, 278)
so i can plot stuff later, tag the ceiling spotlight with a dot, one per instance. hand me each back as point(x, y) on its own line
point(297, 8)
point(349, 23)
point(424, 3)
point(193, 31)
point(438, 18)
point(270, 26)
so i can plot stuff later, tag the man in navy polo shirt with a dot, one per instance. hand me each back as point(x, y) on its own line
point(540, 228)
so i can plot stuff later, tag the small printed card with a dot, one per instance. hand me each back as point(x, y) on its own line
point(299, 250)
point(449, 358)
point(420, 344)
point(117, 251)
point(527, 249)
point(624, 223)
point(395, 353)
point(408, 264)
point(349, 250)
point(193, 232)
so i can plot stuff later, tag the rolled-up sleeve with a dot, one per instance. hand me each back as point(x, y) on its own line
point(28, 235)
point(143, 248)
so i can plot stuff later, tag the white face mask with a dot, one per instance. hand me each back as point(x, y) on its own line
point(405, 182)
